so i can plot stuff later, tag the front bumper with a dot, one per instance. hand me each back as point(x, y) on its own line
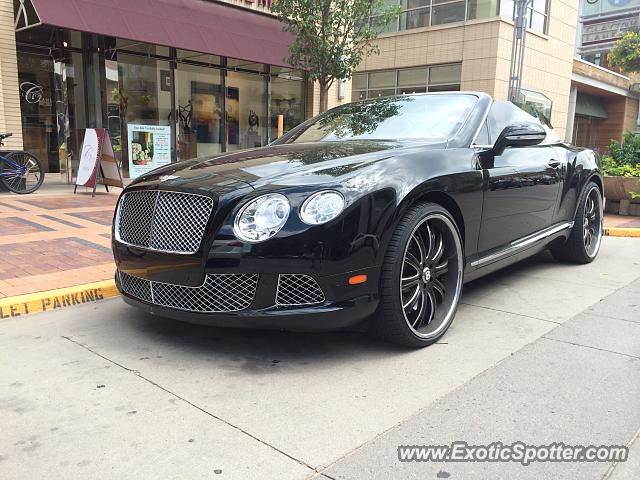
point(343, 305)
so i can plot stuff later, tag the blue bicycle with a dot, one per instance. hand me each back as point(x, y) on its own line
point(20, 172)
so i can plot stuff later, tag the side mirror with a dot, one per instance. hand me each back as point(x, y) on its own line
point(519, 135)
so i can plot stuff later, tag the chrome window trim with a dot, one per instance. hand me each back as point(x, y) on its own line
point(484, 120)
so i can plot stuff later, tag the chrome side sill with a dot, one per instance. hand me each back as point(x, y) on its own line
point(522, 243)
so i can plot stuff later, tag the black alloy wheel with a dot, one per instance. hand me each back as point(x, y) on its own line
point(592, 222)
point(421, 278)
point(585, 238)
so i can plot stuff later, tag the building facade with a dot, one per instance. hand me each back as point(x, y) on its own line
point(189, 79)
point(600, 23)
point(604, 102)
point(466, 45)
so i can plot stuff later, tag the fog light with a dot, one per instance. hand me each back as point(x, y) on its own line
point(356, 279)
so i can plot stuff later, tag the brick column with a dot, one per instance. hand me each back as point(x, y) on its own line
point(10, 119)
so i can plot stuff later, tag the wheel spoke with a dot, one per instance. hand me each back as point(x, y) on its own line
point(442, 268)
point(418, 322)
point(432, 241)
point(408, 282)
point(439, 249)
point(417, 239)
point(432, 302)
point(412, 300)
point(439, 287)
point(412, 261)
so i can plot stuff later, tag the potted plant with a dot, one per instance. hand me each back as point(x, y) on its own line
point(621, 169)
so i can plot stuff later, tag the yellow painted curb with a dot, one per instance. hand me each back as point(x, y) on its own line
point(622, 232)
point(50, 300)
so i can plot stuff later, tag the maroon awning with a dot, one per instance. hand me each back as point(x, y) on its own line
point(188, 24)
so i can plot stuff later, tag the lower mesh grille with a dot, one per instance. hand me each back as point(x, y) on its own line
point(136, 287)
point(296, 289)
point(219, 293)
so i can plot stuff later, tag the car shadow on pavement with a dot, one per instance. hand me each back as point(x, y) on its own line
point(253, 350)
point(263, 348)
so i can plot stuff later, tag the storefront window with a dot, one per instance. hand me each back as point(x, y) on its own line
point(246, 110)
point(143, 100)
point(37, 104)
point(52, 104)
point(158, 104)
point(199, 111)
point(286, 100)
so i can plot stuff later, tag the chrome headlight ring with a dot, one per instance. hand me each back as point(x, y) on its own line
point(322, 207)
point(261, 218)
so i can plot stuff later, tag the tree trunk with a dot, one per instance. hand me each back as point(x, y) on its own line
point(324, 98)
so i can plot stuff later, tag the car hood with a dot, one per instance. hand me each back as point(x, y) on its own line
point(289, 164)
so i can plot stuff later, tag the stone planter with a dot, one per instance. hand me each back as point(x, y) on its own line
point(616, 191)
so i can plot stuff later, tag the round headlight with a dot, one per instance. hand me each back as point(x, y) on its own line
point(262, 218)
point(322, 207)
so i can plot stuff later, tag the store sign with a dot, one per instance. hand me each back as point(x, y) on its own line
point(149, 148)
point(606, 31)
point(98, 163)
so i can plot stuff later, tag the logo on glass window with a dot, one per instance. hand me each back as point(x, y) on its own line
point(31, 92)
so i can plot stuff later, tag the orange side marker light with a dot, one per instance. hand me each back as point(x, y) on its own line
point(357, 279)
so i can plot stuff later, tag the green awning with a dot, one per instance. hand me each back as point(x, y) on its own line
point(590, 106)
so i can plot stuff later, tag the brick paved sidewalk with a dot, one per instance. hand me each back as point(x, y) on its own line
point(619, 221)
point(54, 240)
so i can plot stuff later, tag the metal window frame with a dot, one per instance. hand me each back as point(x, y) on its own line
point(397, 72)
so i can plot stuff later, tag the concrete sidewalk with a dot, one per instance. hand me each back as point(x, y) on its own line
point(105, 391)
point(578, 384)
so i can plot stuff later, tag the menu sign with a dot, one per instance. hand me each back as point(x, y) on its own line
point(149, 148)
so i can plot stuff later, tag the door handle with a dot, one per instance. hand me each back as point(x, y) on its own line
point(553, 163)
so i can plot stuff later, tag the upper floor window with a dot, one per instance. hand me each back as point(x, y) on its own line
point(425, 13)
point(537, 13)
point(385, 83)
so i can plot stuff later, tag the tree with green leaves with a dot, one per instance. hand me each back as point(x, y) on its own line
point(625, 54)
point(332, 36)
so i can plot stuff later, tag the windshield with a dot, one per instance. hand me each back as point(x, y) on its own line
point(419, 117)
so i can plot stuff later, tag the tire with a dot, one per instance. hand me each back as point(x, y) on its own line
point(420, 283)
point(585, 238)
point(20, 183)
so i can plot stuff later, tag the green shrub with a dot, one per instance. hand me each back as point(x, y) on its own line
point(627, 152)
point(611, 168)
point(624, 158)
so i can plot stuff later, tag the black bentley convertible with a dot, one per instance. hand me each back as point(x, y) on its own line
point(373, 213)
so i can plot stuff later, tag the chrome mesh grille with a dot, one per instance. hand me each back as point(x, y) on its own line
point(296, 289)
point(164, 221)
point(219, 293)
point(136, 287)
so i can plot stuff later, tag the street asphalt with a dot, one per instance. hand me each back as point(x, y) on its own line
point(540, 353)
